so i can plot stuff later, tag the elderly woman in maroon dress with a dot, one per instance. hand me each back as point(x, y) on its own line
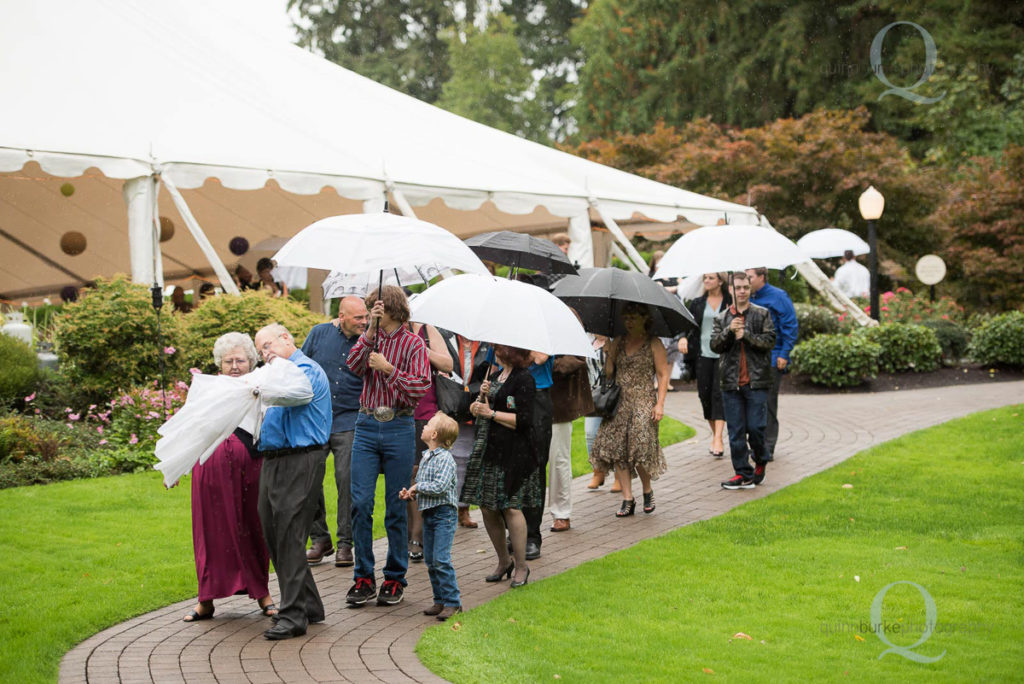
point(231, 556)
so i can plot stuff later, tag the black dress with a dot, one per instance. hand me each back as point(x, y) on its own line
point(502, 471)
point(705, 368)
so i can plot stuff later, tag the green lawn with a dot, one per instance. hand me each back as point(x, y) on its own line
point(77, 557)
point(797, 572)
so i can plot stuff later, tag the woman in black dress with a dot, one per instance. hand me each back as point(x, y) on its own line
point(502, 477)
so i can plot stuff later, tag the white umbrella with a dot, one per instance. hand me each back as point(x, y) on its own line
point(360, 243)
point(338, 284)
point(831, 242)
point(502, 311)
point(728, 248)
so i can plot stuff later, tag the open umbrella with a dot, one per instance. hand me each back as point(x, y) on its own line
point(831, 242)
point(728, 248)
point(502, 311)
point(519, 250)
point(338, 284)
point(599, 295)
point(360, 243)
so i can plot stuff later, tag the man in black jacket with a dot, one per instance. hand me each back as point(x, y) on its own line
point(744, 336)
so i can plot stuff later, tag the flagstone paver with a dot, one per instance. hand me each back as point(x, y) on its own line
point(376, 644)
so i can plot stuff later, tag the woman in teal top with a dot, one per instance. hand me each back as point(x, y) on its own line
point(697, 350)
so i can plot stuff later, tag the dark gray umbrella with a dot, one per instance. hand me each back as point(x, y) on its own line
point(600, 294)
point(519, 250)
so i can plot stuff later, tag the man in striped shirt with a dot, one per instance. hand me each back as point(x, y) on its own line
point(396, 372)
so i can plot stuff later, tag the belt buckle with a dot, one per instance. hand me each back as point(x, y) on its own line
point(384, 414)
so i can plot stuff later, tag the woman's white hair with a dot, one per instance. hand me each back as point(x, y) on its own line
point(228, 342)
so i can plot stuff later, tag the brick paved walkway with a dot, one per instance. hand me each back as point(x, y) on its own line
point(376, 644)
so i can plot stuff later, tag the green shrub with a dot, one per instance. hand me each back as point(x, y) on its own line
point(815, 320)
point(19, 439)
point(953, 339)
point(837, 360)
point(1000, 339)
point(904, 347)
point(107, 340)
point(245, 313)
point(34, 470)
point(20, 369)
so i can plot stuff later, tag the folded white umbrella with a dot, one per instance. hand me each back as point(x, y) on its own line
point(502, 311)
point(831, 242)
point(728, 248)
point(360, 243)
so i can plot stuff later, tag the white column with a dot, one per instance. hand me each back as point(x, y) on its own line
point(581, 251)
point(139, 197)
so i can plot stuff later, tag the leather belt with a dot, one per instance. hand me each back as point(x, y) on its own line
point(278, 453)
point(384, 414)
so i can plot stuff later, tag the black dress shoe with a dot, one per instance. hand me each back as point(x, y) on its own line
point(279, 632)
point(532, 550)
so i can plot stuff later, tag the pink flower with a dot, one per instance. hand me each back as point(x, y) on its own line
point(154, 414)
point(74, 416)
point(133, 439)
point(37, 410)
point(169, 350)
point(30, 397)
point(884, 308)
point(103, 441)
point(195, 371)
point(92, 406)
point(99, 429)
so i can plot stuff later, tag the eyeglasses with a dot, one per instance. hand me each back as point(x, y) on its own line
point(234, 362)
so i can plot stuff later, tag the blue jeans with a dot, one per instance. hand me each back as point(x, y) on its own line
point(378, 447)
point(745, 416)
point(438, 537)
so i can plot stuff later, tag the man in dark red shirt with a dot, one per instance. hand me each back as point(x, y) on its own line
point(396, 372)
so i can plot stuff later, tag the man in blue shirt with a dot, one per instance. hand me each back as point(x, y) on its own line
point(293, 442)
point(329, 344)
point(786, 330)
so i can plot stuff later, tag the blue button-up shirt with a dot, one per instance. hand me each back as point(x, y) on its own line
point(542, 377)
point(329, 347)
point(286, 427)
point(783, 314)
point(435, 480)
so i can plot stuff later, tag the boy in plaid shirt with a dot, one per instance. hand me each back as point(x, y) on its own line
point(438, 501)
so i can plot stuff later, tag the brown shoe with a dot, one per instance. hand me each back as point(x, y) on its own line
point(434, 609)
point(596, 482)
point(344, 557)
point(465, 520)
point(616, 487)
point(560, 525)
point(318, 550)
point(448, 612)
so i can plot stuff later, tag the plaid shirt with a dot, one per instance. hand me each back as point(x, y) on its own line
point(407, 383)
point(435, 480)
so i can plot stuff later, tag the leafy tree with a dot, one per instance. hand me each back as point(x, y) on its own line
point(804, 174)
point(490, 81)
point(398, 43)
point(984, 217)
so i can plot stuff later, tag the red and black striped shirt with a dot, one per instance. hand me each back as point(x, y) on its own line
point(410, 379)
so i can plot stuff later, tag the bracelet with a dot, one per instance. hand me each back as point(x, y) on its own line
point(494, 414)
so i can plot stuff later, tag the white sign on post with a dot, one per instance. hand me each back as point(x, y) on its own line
point(930, 269)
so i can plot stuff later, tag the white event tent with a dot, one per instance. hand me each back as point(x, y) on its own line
point(118, 112)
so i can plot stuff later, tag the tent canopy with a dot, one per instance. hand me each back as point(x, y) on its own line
point(262, 139)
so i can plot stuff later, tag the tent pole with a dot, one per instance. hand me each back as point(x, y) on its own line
point(581, 249)
point(634, 256)
point(820, 282)
point(403, 204)
point(617, 251)
point(226, 283)
point(138, 196)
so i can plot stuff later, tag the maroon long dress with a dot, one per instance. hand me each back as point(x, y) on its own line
point(231, 555)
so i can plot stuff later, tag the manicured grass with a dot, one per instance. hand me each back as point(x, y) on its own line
point(77, 557)
point(796, 571)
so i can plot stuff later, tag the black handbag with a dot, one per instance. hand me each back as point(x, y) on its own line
point(606, 397)
point(450, 395)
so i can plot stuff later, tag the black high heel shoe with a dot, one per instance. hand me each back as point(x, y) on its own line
point(507, 572)
point(649, 502)
point(526, 579)
point(628, 508)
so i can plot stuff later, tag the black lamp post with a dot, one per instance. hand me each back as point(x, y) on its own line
point(871, 205)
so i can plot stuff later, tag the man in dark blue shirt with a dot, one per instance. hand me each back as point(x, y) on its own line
point(786, 330)
point(293, 444)
point(328, 344)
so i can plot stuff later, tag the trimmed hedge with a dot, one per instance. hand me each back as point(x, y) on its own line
point(1000, 339)
point(20, 372)
point(837, 360)
point(953, 339)
point(816, 320)
point(904, 347)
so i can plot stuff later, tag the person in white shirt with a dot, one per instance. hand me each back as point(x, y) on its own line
point(852, 279)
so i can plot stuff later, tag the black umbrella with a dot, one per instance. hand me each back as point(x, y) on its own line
point(519, 250)
point(600, 294)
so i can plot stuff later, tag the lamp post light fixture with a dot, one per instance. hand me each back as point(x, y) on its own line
point(871, 206)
